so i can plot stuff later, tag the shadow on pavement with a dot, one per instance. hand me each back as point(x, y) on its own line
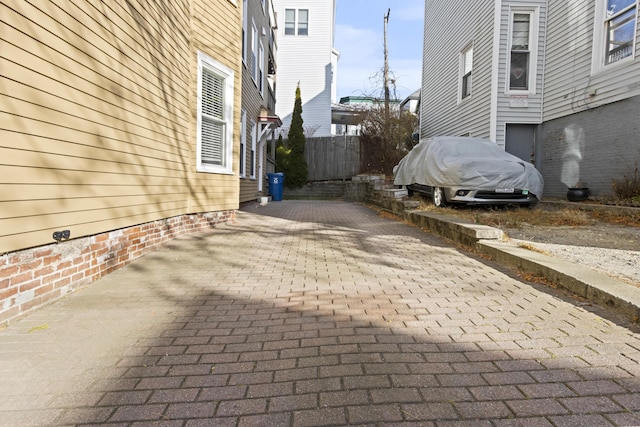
point(328, 315)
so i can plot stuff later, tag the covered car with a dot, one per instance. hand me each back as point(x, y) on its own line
point(470, 171)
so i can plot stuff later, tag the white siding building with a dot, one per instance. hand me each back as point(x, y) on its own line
point(554, 82)
point(306, 56)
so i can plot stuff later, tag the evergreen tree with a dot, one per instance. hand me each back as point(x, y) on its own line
point(292, 160)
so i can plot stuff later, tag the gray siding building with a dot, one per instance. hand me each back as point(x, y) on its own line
point(553, 82)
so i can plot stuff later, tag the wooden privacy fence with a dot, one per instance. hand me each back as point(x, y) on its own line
point(331, 158)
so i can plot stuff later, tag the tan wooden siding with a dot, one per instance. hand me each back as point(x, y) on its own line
point(97, 114)
point(217, 30)
point(253, 100)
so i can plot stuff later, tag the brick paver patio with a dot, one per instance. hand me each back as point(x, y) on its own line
point(318, 314)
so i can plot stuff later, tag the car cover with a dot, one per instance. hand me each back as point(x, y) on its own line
point(469, 163)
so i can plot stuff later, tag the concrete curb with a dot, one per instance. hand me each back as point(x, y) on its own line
point(488, 241)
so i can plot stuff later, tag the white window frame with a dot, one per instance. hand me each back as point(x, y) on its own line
point(293, 28)
point(600, 40)
point(206, 64)
point(261, 68)
point(254, 139)
point(532, 66)
point(243, 144)
point(288, 29)
point(466, 73)
point(254, 52)
point(245, 31)
point(299, 27)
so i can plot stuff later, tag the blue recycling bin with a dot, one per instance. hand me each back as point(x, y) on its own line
point(276, 182)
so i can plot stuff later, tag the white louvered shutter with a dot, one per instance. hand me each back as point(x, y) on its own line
point(213, 124)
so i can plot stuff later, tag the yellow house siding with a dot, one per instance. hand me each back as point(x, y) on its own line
point(216, 29)
point(97, 114)
point(98, 103)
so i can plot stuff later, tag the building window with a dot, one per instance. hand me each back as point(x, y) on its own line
point(243, 143)
point(244, 31)
point(252, 163)
point(303, 22)
point(290, 22)
point(301, 27)
point(466, 68)
point(261, 69)
point(215, 112)
point(620, 29)
point(519, 52)
point(254, 53)
point(523, 48)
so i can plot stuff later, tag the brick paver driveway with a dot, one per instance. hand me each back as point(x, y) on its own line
point(318, 313)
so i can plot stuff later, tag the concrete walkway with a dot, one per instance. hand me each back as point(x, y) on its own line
point(318, 313)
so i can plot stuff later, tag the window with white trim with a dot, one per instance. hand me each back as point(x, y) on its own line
point(299, 26)
point(254, 53)
point(214, 115)
point(289, 22)
point(466, 69)
point(261, 69)
point(620, 29)
point(244, 31)
point(303, 22)
point(522, 54)
point(243, 143)
point(254, 137)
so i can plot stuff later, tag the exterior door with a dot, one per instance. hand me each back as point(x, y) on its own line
point(520, 141)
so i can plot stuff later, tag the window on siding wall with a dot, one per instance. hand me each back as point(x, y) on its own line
point(215, 112)
point(290, 22)
point(299, 27)
point(523, 48)
point(244, 31)
point(254, 137)
point(620, 29)
point(254, 52)
point(243, 143)
point(520, 53)
point(303, 22)
point(261, 69)
point(466, 69)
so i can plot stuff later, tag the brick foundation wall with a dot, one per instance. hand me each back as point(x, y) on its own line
point(33, 277)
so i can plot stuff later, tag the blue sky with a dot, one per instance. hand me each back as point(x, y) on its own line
point(360, 40)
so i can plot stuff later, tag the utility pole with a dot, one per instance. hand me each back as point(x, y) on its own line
point(386, 68)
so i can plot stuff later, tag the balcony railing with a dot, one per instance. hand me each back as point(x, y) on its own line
point(620, 52)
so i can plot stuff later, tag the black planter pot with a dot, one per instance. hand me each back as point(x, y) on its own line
point(577, 194)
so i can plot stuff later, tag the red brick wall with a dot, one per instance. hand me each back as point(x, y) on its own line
point(34, 277)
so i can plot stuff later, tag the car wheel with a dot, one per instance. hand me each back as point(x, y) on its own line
point(439, 198)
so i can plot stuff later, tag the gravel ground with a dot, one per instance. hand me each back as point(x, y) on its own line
point(613, 250)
